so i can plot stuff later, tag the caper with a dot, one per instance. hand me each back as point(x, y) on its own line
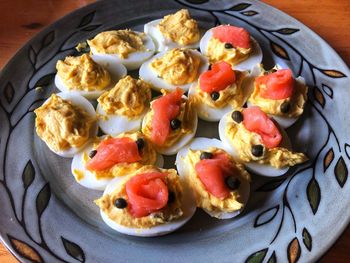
point(175, 124)
point(206, 155)
point(228, 45)
point(140, 143)
point(92, 154)
point(257, 150)
point(120, 203)
point(171, 197)
point(215, 95)
point(237, 116)
point(232, 182)
point(285, 107)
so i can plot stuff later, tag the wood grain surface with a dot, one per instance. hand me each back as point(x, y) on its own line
point(20, 20)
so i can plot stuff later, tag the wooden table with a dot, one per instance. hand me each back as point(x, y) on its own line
point(21, 19)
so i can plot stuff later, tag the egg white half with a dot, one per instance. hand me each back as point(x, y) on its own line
point(183, 168)
point(254, 58)
point(134, 60)
point(162, 43)
point(89, 180)
point(188, 208)
point(150, 76)
point(82, 103)
point(260, 169)
point(115, 69)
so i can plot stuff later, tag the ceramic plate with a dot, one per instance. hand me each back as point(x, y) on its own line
point(46, 216)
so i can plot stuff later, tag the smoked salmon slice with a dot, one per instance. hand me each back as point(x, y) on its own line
point(236, 36)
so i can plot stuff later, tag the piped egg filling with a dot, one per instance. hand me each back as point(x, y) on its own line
point(122, 205)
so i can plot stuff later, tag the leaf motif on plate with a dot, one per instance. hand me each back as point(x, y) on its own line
point(87, 19)
point(48, 39)
point(249, 13)
point(307, 240)
point(240, 7)
point(257, 257)
point(9, 92)
point(42, 199)
point(347, 150)
point(319, 97)
point(90, 28)
point(45, 80)
point(270, 185)
point(328, 90)
point(73, 250)
point(313, 193)
point(266, 216)
point(272, 259)
point(28, 174)
point(32, 55)
point(279, 51)
point(333, 73)
point(24, 250)
point(341, 172)
point(287, 31)
point(293, 251)
point(328, 159)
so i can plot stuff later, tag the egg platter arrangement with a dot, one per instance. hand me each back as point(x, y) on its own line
point(183, 75)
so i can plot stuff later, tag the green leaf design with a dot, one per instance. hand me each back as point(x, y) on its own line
point(73, 250)
point(328, 90)
point(240, 7)
point(307, 239)
point(293, 251)
point(9, 92)
point(333, 73)
point(313, 193)
point(341, 172)
point(249, 13)
point(25, 250)
point(272, 259)
point(279, 51)
point(266, 216)
point(287, 31)
point(42, 199)
point(45, 80)
point(28, 174)
point(328, 159)
point(90, 28)
point(87, 19)
point(319, 97)
point(257, 257)
point(270, 185)
point(48, 39)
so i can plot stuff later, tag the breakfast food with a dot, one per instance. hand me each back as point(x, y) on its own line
point(86, 76)
point(148, 202)
point(122, 108)
point(218, 91)
point(123, 46)
point(220, 183)
point(171, 122)
point(108, 157)
point(66, 122)
point(256, 139)
point(279, 94)
point(233, 45)
point(174, 30)
point(175, 68)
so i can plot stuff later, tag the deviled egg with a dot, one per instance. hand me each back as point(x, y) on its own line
point(108, 157)
point(128, 47)
point(220, 183)
point(278, 94)
point(86, 76)
point(174, 30)
point(258, 141)
point(122, 108)
point(175, 68)
point(218, 91)
point(233, 45)
point(171, 122)
point(148, 202)
point(66, 122)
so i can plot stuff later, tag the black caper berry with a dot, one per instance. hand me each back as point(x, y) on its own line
point(285, 107)
point(120, 203)
point(228, 45)
point(92, 154)
point(273, 70)
point(237, 116)
point(171, 197)
point(175, 124)
point(232, 182)
point(209, 67)
point(206, 155)
point(257, 150)
point(215, 95)
point(140, 143)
